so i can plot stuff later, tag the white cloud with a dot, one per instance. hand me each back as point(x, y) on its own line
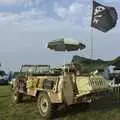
point(75, 9)
point(74, 13)
point(32, 3)
point(12, 1)
point(62, 12)
point(27, 16)
point(26, 3)
point(29, 11)
point(7, 1)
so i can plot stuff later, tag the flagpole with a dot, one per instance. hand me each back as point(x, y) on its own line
point(92, 41)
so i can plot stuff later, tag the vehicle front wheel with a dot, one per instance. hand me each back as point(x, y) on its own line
point(44, 105)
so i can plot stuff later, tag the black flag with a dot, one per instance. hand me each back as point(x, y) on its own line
point(104, 18)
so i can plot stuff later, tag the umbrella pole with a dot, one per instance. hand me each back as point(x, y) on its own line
point(64, 63)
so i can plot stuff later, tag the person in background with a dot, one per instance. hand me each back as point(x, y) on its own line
point(10, 76)
point(108, 72)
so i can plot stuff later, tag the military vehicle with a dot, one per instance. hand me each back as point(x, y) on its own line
point(55, 87)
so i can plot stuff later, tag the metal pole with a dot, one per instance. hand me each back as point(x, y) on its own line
point(92, 41)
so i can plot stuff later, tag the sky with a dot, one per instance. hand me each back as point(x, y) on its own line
point(26, 26)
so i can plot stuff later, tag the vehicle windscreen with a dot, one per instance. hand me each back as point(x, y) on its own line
point(2, 73)
point(28, 69)
point(42, 69)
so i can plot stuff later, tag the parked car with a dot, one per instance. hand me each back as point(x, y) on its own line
point(115, 82)
point(3, 78)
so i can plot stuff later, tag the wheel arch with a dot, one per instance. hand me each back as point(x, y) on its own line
point(40, 91)
point(54, 97)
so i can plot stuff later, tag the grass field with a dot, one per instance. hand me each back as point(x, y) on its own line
point(103, 109)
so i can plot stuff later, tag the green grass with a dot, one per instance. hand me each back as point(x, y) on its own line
point(103, 109)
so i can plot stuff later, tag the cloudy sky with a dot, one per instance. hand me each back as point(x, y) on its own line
point(27, 25)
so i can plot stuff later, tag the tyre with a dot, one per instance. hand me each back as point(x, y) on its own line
point(17, 98)
point(44, 105)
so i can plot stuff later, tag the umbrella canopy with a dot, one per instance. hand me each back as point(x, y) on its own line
point(65, 44)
